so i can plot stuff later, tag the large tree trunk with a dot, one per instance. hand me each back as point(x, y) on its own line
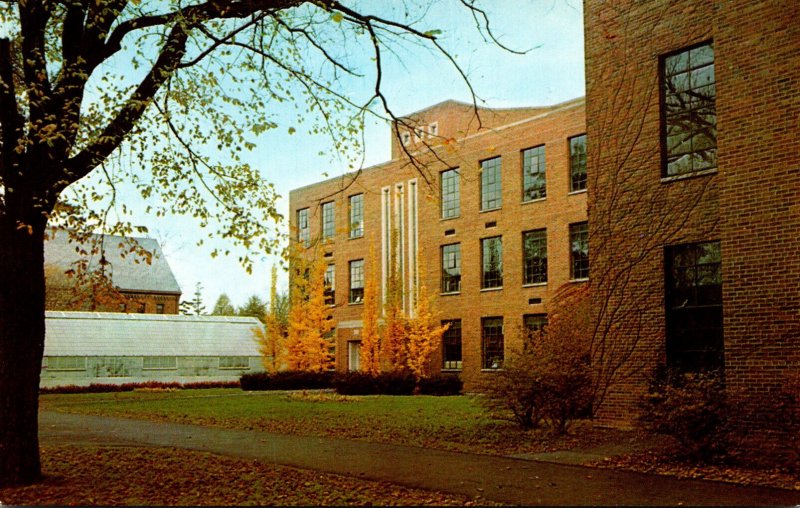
point(21, 348)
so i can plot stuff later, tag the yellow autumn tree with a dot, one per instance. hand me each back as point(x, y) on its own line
point(308, 342)
point(272, 337)
point(370, 336)
point(394, 332)
point(424, 336)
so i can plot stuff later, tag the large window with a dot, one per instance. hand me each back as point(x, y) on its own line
point(577, 163)
point(451, 268)
point(357, 216)
point(66, 363)
point(694, 306)
point(328, 220)
point(534, 183)
point(451, 194)
point(534, 252)
point(579, 250)
point(451, 345)
point(330, 284)
point(492, 262)
point(689, 110)
point(159, 362)
point(492, 347)
point(234, 362)
point(303, 230)
point(357, 281)
point(491, 184)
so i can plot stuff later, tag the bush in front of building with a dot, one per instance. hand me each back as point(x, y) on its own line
point(692, 408)
point(129, 387)
point(385, 383)
point(286, 380)
point(712, 423)
point(443, 384)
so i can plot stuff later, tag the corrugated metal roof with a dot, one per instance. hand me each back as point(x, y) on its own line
point(130, 272)
point(117, 334)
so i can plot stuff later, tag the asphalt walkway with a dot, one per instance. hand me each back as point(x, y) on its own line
point(502, 479)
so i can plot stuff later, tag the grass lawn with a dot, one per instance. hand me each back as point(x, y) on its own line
point(157, 477)
point(451, 423)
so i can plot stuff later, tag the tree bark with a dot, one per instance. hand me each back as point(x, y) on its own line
point(22, 328)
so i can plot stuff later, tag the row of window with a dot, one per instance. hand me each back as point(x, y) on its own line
point(534, 178)
point(356, 222)
point(534, 248)
point(534, 259)
point(534, 187)
point(140, 308)
point(492, 340)
point(67, 363)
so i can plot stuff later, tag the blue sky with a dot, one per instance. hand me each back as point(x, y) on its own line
point(551, 71)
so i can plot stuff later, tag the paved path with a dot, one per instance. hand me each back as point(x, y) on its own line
point(502, 479)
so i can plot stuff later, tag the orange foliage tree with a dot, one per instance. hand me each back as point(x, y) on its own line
point(371, 339)
point(272, 337)
point(424, 336)
point(308, 340)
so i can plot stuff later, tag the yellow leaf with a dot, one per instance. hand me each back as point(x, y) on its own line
point(337, 17)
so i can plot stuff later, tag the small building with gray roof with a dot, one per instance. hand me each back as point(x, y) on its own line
point(136, 270)
point(82, 348)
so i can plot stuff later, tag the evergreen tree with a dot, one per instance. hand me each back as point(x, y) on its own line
point(223, 307)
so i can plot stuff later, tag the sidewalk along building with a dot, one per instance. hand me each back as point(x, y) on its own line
point(82, 348)
point(109, 274)
point(692, 118)
point(492, 221)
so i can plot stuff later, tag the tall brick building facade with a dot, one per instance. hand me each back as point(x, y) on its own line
point(693, 115)
point(492, 224)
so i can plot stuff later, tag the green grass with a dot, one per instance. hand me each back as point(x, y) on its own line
point(453, 423)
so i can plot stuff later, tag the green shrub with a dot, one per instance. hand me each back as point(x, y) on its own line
point(692, 408)
point(286, 380)
point(444, 384)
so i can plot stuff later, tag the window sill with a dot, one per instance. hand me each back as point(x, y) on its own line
point(492, 370)
point(451, 293)
point(163, 368)
point(451, 370)
point(486, 290)
point(537, 200)
point(234, 368)
point(355, 303)
point(356, 237)
point(535, 285)
point(449, 218)
point(491, 209)
point(693, 174)
point(585, 279)
point(580, 191)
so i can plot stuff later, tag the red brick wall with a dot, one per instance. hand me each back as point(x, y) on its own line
point(555, 213)
point(150, 301)
point(749, 204)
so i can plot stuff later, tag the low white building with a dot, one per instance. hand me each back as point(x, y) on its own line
point(91, 347)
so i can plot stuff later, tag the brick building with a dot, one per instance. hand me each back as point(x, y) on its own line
point(493, 222)
point(135, 268)
point(692, 112)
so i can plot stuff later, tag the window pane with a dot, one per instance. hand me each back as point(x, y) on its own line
point(330, 284)
point(451, 196)
point(451, 268)
point(579, 250)
point(303, 232)
point(492, 262)
point(328, 220)
point(577, 163)
point(694, 306)
point(451, 345)
point(234, 362)
point(534, 249)
point(689, 111)
point(492, 343)
point(357, 281)
point(356, 216)
point(491, 187)
point(160, 362)
point(534, 184)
